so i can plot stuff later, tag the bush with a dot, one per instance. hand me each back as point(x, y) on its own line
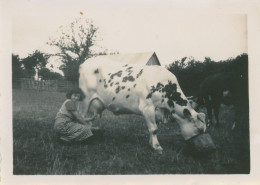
point(190, 73)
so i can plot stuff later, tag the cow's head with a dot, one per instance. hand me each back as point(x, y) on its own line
point(180, 109)
point(191, 122)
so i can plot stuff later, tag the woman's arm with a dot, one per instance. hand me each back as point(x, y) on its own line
point(79, 117)
point(72, 108)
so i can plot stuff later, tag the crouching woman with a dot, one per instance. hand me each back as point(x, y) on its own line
point(69, 125)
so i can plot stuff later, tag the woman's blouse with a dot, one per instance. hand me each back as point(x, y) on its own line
point(66, 109)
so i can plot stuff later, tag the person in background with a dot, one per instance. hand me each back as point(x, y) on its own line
point(69, 125)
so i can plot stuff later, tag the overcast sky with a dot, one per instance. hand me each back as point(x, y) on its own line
point(135, 27)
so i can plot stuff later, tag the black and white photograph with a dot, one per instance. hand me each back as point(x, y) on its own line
point(100, 90)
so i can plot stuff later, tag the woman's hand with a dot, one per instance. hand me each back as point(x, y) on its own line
point(91, 118)
point(80, 118)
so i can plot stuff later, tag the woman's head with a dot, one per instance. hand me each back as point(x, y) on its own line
point(75, 93)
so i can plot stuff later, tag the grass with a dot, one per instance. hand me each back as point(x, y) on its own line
point(124, 149)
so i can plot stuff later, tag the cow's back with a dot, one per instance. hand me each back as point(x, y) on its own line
point(217, 83)
point(124, 85)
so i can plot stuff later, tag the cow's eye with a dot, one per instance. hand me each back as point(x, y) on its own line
point(200, 118)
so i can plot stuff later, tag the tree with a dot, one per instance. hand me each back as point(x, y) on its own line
point(46, 74)
point(33, 62)
point(75, 44)
point(17, 70)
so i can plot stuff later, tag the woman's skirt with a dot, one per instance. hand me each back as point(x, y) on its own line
point(71, 131)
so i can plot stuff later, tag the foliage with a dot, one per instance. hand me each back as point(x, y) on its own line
point(46, 74)
point(35, 61)
point(190, 72)
point(17, 70)
point(75, 43)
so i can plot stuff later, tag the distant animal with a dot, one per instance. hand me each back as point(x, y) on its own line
point(218, 89)
point(150, 91)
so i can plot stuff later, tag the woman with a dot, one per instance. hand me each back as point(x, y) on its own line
point(69, 125)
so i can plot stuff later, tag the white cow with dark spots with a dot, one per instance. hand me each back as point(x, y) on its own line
point(150, 91)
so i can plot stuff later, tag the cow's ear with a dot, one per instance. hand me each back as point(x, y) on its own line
point(186, 113)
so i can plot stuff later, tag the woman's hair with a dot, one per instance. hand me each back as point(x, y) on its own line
point(75, 91)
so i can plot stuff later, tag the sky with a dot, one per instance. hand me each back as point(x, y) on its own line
point(171, 30)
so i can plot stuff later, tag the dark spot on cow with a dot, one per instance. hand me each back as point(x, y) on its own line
point(128, 78)
point(155, 132)
point(162, 100)
point(158, 87)
point(139, 74)
point(117, 83)
point(118, 74)
point(171, 93)
point(170, 103)
point(109, 73)
point(125, 65)
point(127, 96)
point(149, 96)
point(109, 81)
point(174, 96)
point(113, 98)
point(134, 85)
point(123, 87)
point(129, 68)
point(96, 71)
point(186, 113)
point(129, 73)
point(111, 84)
point(117, 89)
point(105, 83)
point(128, 89)
point(100, 80)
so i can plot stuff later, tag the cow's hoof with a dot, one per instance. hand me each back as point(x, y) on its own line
point(159, 150)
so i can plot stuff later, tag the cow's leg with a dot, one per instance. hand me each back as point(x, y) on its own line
point(149, 115)
point(209, 110)
point(216, 107)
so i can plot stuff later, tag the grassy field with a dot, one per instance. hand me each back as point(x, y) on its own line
point(124, 149)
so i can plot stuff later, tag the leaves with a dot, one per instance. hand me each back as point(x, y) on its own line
point(37, 60)
point(75, 42)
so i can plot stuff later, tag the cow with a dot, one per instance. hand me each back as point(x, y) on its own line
point(216, 89)
point(150, 91)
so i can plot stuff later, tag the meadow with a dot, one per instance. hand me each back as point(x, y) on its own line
point(124, 148)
